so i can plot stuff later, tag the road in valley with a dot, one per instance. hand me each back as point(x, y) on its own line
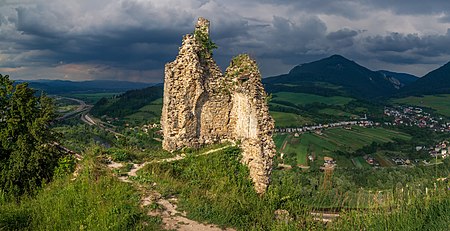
point(81, 108)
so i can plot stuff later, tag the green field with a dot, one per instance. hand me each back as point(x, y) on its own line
point(336, 112)
point(384, 160)
point(303, 98)
point(279, 140)
point(284, 119)
point(315, 84)
point(92, 98)
point(360, 162)
point(440, 103)
point(150, 112)
point(336, 139)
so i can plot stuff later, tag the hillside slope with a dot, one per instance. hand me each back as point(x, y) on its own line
point(402, 78)
point(435, 82)
point(128, 103)
point(346, 75)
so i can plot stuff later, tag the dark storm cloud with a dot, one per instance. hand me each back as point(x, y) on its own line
point(104, 38)
point(124, 34)
point(287, 39)
point(345, 8)
point(445, 18)
point(124, 44)
point(427, 46)
point(342, 34)
point(411, 6)
point(355, 9)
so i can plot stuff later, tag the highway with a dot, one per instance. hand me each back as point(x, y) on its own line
point(81, 108)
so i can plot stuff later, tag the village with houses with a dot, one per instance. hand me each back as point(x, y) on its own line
point(415, 116)
point(396, 116)
point(318, 128)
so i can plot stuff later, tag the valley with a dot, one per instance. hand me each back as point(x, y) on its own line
point(144, 115)
point(337, 154)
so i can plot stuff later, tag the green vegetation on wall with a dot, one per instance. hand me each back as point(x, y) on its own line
point(206, 43)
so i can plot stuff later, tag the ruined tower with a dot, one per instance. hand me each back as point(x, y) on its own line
point(203, 106)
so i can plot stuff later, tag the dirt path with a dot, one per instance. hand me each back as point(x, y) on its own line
point(137, 167)
point(171, 217)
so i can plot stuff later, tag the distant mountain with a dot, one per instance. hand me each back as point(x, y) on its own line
point(70, 87)
point(401, 79)
point(342, 76)
point(435, 82)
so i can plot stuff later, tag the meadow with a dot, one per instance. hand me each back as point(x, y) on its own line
point(150, 113)
point(92, 98)
point(216, 189)
point(332, 140)
point(286, 119)
point(440, 103)
point(91, 200)
point(304, 98)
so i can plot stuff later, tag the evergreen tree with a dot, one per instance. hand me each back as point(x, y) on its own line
point(28, 155)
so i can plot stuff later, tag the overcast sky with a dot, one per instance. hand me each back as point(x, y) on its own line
point(133, 39)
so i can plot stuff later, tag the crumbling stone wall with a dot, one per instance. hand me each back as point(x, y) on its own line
point(202, 106)
point(250, 120)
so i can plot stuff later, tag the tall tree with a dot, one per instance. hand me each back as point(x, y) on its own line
point(28, 155)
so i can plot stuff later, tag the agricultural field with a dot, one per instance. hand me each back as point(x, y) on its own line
point(304, 99)
point(150, 112)
point(360, 162)
point(440, 103)
point(285, 119)
point(92, 98)
point(331, 140)
point(337, 112)
point(63, 105)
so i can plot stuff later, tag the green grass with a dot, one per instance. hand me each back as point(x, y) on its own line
point(303, 98)
point(316, 84)
point(279, 140)
point(284, 119)
point(409, 210)
point(67, 108)
point(216, 189)
point(360, 162)
point(336, 112)
point(440, 103)
point(213, 188)
point(295, 149)
point(150, 112)
point(383, 160)
point(95, 200)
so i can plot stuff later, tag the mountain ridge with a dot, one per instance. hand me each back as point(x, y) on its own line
point(355, 79)
point(435, 82)
point(67, 86)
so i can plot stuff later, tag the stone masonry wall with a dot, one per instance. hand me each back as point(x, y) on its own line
point(203, 106)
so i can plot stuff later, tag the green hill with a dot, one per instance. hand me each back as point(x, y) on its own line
point(334, 75)
point(130, 103)
point(435, 82)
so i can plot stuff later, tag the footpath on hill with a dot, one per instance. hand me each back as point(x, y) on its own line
point(172, 218)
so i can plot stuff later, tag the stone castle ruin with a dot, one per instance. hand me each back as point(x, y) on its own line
point(202, 105)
